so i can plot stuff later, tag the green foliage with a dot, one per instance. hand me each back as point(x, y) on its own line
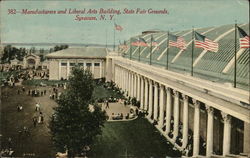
point(10, 53)
point(37, 82)
point(60, 47)
point(75, 123)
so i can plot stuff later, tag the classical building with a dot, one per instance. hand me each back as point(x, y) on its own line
point(204, 113)
point(61, 62)
point(31, 61)
point(201, 112)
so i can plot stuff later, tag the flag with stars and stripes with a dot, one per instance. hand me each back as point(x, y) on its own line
point(177, 41)
point(244, 38)
point(135, 42)
point(143, 42)
point(118, 27)
point(202, 42)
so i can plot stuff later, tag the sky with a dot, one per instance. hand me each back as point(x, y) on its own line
point(63, 28)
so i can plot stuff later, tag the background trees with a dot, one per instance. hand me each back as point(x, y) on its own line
point(78, 119)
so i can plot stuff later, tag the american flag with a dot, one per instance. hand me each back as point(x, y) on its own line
point(135, 42)
point(154, 43)
point(244, 39)
point(118, 27)
point(143, 42)
point(177, 41)
point(205, 43)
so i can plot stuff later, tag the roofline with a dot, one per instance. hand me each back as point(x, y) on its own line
point(74, 57)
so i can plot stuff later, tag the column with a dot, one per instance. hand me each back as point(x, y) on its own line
point(210, 130)
point(132, 85)
point(142, 93)
point(168, 110)
point(185, 121)
point(126, 81)
point(101, 69)
point(156, 102)
point(84, 65)
point(196, 136)
point(116, 75)
point(67, 69)
point(146, 95)
point(176, 114)
point(122, 78)
point(119, 77)
point(162, 101)
point(227, 133)
point(150, 99)
point(138, 88)
point(107, 70)
point(135, 85)
point(59, 70)
point(93, 68)
point(246, 144)
point(129, 83)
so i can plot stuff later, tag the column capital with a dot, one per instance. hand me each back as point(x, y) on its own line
point(155, 84)
point(185, 97)
point(162, 86)
point(150, 81)
point(196, 103)
point(210, 110)
point(168, 89)
point(176, 93)
point(226, 117)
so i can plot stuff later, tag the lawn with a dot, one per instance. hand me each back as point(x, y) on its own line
point(139, 138)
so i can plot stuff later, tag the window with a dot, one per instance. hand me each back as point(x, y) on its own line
point(71, 64)
point(97, 64)
point(63, 64)
point(88, 64)
point(80, 64)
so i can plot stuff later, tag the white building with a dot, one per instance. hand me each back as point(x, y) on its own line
point(61, 62)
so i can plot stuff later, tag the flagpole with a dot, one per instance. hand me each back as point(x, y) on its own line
point(150, 59)
point(130, 50)
point(167, 50)
point(106, 39)
point(235, 53)
point(114, 37)
point(139, 53)
point(192, 58)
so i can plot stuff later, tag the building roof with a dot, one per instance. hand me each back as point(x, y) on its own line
point(217, 67)
point(84, 52)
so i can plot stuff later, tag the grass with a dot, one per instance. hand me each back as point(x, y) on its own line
point(138, 137)
point(4, 75)
point(101, 93)
point(38, 81)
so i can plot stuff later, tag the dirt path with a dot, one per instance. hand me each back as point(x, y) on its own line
point(37, 142)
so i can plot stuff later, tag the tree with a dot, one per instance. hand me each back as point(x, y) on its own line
point(11, 53)
point(75, 123)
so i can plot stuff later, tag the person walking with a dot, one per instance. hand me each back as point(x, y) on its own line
point(37, 107)
point(107, 104)
point(34, 121)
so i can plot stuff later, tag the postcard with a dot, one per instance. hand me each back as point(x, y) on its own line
point(124, 78)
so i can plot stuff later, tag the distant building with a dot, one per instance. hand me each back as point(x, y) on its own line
point(62, 62)
point(31, 61)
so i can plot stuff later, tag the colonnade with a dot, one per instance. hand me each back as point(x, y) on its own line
point(162, 105)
